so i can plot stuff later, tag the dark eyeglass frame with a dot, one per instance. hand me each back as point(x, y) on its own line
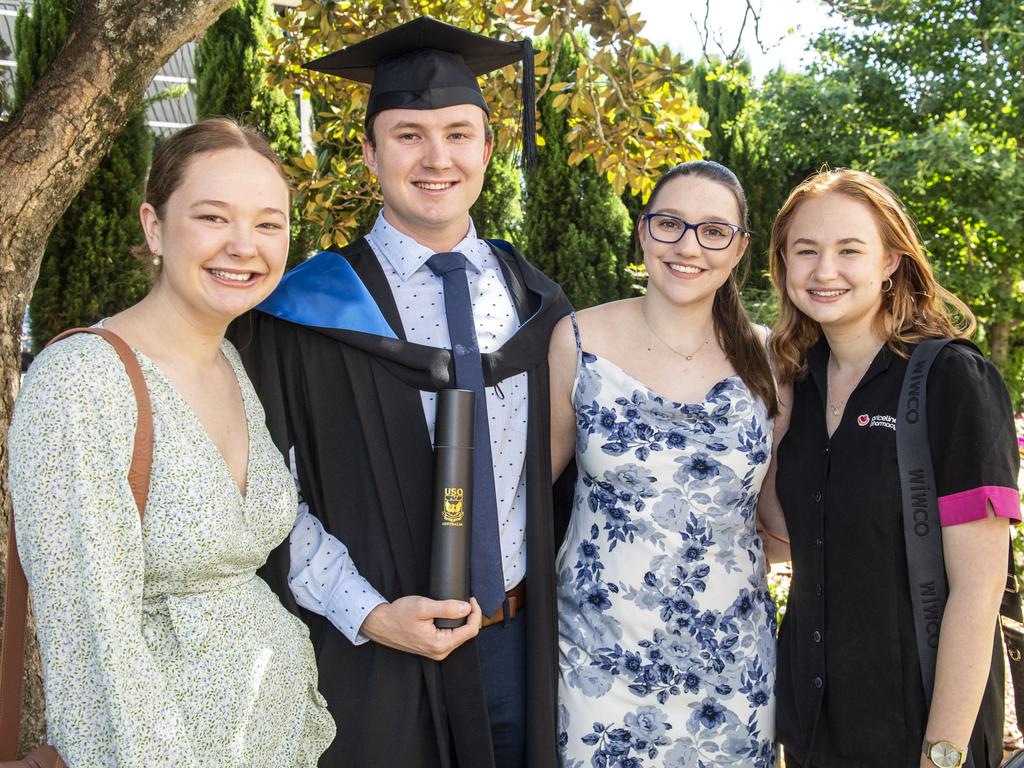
point(687, 226)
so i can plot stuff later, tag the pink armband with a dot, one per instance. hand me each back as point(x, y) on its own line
point(967, 506)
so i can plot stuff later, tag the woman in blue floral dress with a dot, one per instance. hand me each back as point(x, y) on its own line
point(666, 627)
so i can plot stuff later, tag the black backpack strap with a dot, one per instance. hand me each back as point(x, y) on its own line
point(921, 530)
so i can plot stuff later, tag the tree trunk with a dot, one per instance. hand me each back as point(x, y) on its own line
point(47, 151)
point(1000, 330)
point(999, 343)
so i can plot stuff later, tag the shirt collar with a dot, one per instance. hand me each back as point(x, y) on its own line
point(407, 256)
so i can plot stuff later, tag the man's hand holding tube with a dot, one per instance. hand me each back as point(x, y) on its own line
point(407, 624)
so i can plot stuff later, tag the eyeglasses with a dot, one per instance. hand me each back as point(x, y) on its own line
point(713, 235)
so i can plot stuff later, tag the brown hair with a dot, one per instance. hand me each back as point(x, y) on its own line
point(733, 328)
point(214, 134)
point(914, 309)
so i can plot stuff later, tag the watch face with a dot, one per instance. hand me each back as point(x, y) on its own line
point(944, 755)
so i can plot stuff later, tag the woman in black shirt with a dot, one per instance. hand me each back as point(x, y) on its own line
point(856, 295)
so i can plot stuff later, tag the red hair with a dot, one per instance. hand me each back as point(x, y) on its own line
point(914, 309)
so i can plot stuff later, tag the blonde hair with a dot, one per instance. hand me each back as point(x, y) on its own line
point(914, 309)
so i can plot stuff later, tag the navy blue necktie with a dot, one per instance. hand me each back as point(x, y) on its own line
point(486, 579)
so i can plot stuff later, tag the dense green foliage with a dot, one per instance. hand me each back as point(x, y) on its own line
point(231, 80)
point(723, 92)
point(498, 212)
point(576, 228)
point(87, 271)
point(39, 33)
point(938, 55)
point(5, 93)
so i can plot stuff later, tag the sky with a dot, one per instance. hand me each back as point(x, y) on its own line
point(786, 27)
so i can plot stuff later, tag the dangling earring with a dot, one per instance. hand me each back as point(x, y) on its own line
point(156, 259)
point(889, 289)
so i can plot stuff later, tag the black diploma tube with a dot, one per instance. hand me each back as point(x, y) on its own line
point(453, 498)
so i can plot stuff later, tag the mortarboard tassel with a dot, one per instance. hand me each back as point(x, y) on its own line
point(529, 120)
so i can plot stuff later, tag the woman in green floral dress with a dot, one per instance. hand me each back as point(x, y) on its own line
point(160, 645)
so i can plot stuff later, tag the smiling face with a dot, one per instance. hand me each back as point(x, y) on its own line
point(430, 164)
point(223, 235)
point(685, 272)
point(836, 262)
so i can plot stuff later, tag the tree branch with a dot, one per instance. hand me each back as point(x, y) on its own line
point(553, 54)
point(739, 35)
point(750, 14)
point(632, 40)
point(704, 34)
point(590, 91)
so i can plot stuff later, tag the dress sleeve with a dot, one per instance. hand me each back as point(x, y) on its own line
point(80, 540)
point(972, 437)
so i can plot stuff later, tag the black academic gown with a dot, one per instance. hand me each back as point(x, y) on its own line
point(350, 403)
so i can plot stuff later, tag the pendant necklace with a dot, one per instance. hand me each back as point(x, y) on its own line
point(836, 408)
point(687, 357)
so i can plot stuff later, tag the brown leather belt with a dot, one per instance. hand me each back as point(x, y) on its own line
point(515, 600)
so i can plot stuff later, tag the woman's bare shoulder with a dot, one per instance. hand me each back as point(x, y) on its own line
point(762, 332)
point(605, 322)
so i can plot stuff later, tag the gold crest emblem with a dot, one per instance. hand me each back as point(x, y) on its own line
point(453, 512)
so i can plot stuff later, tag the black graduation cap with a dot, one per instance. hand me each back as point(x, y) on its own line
point(427, 64)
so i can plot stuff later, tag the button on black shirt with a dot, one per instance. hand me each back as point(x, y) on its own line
point(848, 678)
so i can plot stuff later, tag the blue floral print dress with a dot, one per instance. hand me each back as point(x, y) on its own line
point(666, 628)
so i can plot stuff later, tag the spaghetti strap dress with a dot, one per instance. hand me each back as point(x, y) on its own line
point(666, 626)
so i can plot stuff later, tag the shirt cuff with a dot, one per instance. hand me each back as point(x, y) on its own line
point(968, 506)
point(349, 604)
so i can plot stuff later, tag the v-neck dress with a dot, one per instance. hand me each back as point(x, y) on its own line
point(666, 627)
point(160, 644)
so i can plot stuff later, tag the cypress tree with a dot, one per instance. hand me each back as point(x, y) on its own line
point(722, 92)
point(230, 81)
point(88, 271)
point(498, 212)
point(5, 96)
point(576, 228)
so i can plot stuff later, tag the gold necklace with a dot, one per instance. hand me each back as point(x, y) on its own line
point(687, 357)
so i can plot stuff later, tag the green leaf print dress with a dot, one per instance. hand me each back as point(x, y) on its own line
point(160, 644)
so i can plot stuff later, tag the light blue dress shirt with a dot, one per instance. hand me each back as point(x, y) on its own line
point(323, 578)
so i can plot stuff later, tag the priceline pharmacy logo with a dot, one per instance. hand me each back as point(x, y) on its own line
point(889, 422)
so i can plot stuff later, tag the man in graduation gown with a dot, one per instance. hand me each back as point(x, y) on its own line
point(347, 356)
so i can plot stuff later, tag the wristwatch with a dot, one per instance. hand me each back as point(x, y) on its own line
point(944, 754)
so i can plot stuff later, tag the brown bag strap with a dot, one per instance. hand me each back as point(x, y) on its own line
point(12, 653)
